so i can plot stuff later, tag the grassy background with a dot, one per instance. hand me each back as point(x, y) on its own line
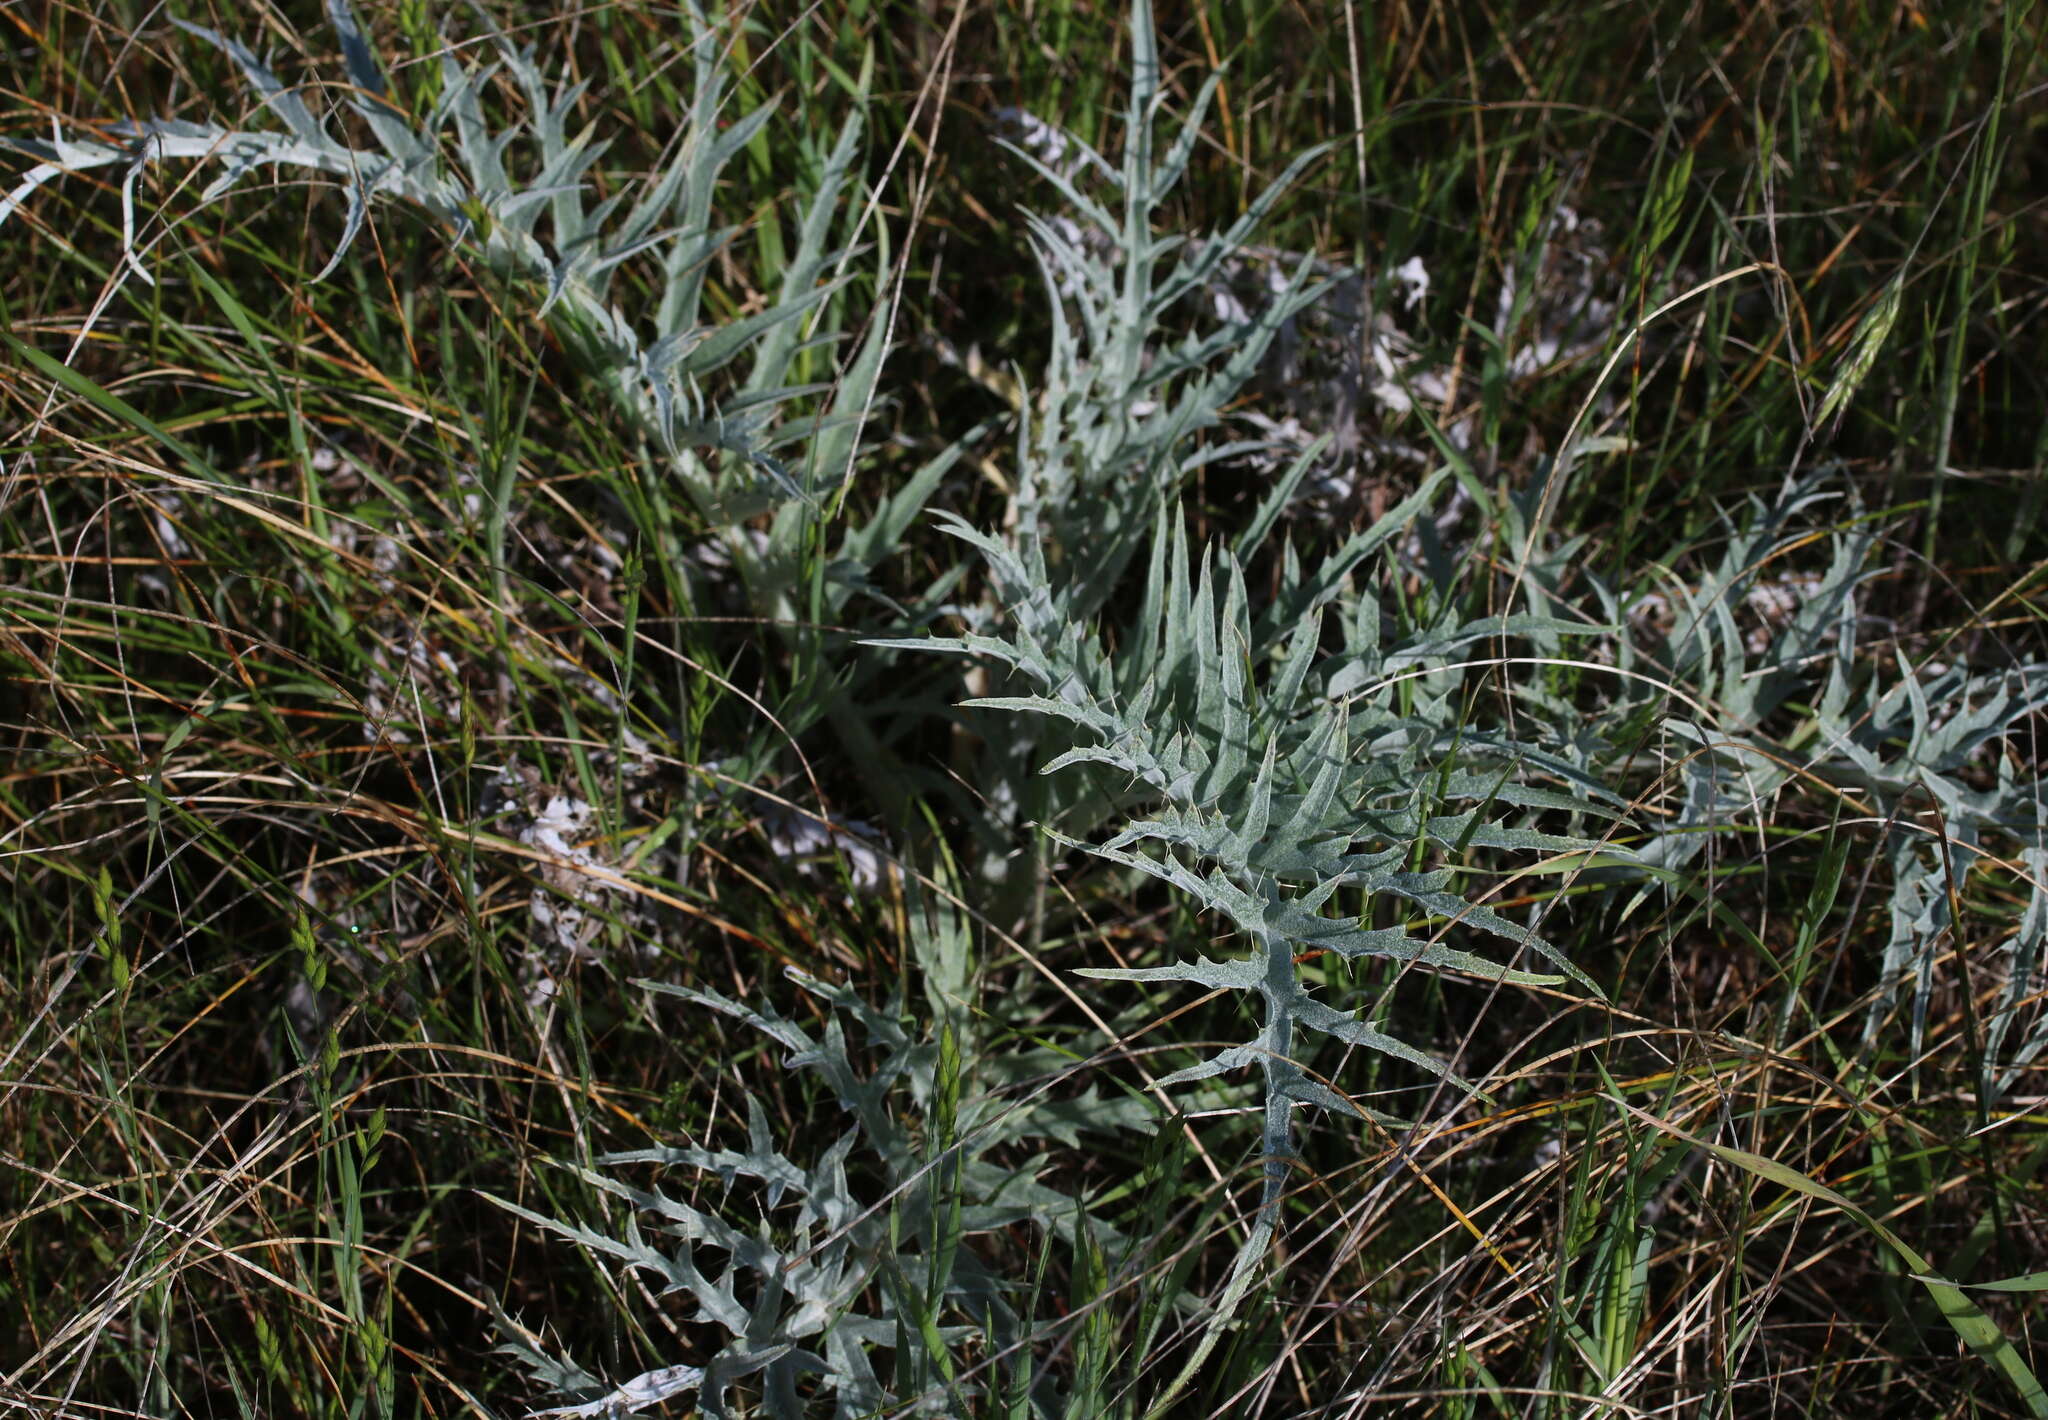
point(294, 971)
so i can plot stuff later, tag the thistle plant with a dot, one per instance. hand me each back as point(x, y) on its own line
point(1930, 750)
point(1259, 777)
point(657, 379)
point(804, 1282)
point(1288, 790)
point(728, 414)
point(1275, 775)
point(867, 1249)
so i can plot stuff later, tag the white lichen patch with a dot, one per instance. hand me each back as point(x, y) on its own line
point(818, 849)
point(1361, 362)
point(573, 888)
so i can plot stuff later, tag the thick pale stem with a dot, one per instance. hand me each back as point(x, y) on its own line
point(1277, 1041)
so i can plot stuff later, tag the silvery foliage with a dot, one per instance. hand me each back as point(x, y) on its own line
point(1933, 751)
point(1277, 774)
point(833, 1271)
point(725, 455)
